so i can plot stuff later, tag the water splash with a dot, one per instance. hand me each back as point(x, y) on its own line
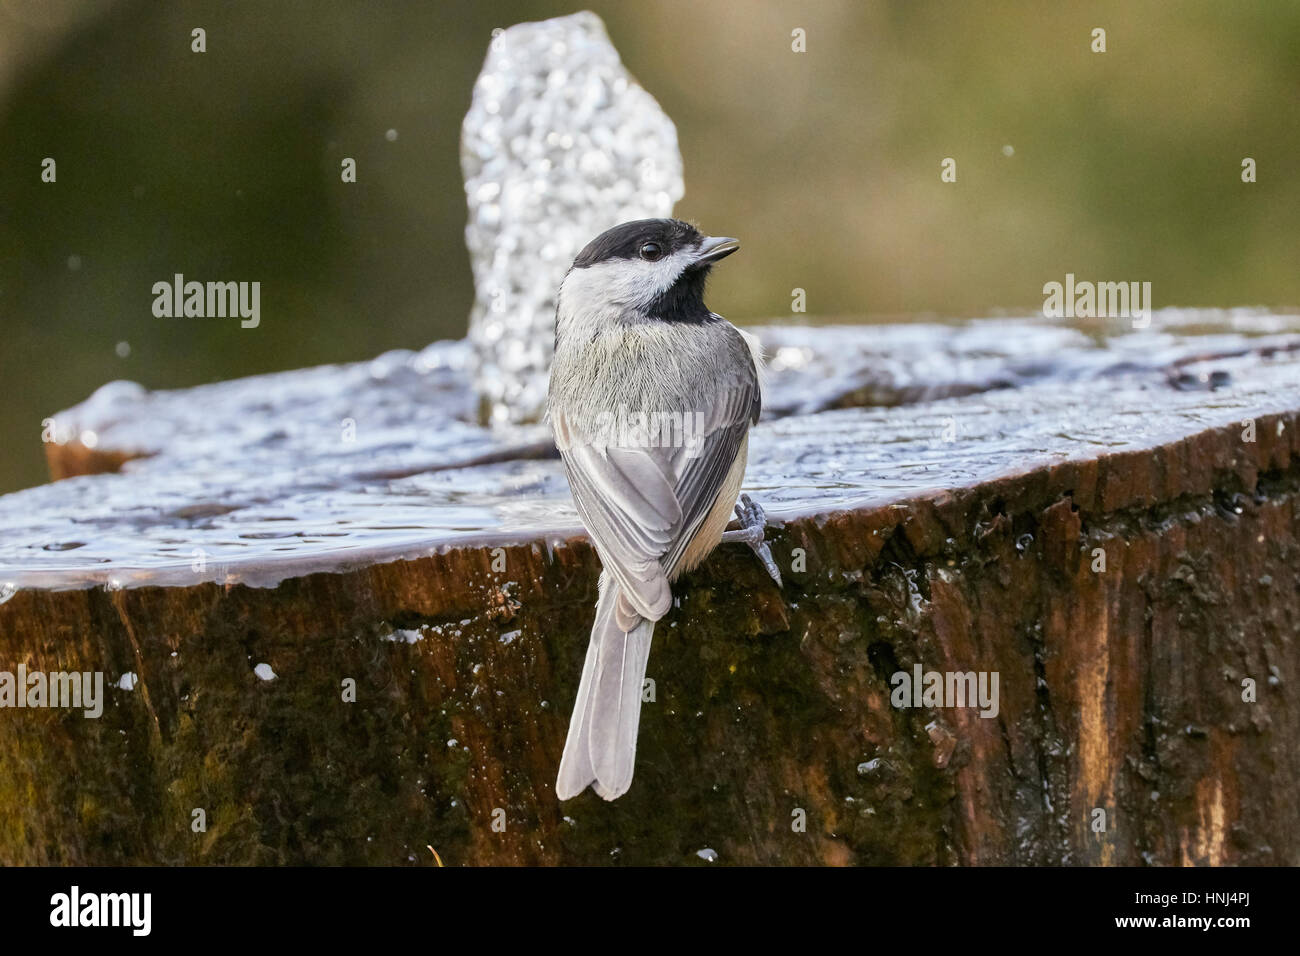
point(559, 144)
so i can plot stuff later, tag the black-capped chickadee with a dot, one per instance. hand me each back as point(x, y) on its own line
point(651, 399)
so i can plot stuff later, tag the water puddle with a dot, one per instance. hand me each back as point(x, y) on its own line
point(216, 499)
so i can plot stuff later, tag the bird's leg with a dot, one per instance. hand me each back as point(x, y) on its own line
point(752, 521)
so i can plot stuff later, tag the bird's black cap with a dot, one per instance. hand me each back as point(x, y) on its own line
point(624, 241)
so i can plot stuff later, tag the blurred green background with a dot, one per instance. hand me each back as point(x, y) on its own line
point(225, 165)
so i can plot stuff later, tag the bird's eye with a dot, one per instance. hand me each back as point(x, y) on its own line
point(651, 251)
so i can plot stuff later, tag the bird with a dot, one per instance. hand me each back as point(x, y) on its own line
point(650, 400)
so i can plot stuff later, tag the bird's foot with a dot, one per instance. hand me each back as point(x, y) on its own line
point(750, 532)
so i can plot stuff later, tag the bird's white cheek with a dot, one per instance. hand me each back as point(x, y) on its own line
point(622, 283)
point(663, 275)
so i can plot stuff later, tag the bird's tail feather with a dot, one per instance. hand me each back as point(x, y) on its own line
point(601, 746)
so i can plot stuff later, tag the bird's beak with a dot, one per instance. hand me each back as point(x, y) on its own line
point(714, 248)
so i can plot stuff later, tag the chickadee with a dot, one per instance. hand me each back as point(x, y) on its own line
point(651, 399)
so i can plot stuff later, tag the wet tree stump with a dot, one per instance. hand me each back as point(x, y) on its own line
point(347, 625)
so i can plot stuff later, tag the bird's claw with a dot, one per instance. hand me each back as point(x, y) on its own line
point(750, 532)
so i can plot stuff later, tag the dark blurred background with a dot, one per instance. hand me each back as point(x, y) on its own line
point(225, 165)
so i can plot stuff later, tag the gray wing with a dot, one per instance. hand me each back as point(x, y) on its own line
point(642, 504)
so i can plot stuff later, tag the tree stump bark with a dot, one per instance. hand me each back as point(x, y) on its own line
point(1108, 524)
